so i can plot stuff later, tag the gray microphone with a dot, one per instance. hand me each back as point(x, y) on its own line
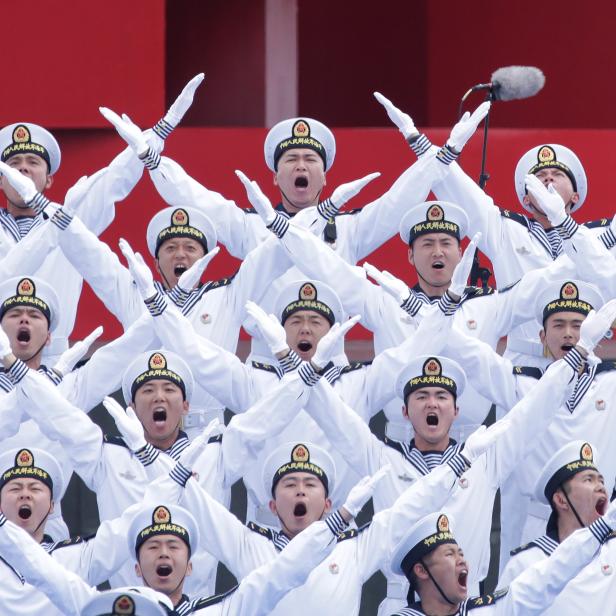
point(512, 83)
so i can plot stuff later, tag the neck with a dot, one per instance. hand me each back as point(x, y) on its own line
point(423, 445)
point(567, 525)
point(34, 362)
point(437, 606)
point(176, 596)
point(294, 209)
point(163, 443)
point(15, 210)
point(430, 290)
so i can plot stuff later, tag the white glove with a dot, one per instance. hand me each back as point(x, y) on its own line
point(482, 439)
point(130, 132)
point(141, 273)
point(78, 191)
point(5, 344)
point(596, 325)
point(192, 275)
point(270, 328)
point(459, 278)
point(402, 120)
point(550, 202)
point(191, 454)
point(21, 183)
point(466, 127)
point(71, 356)
point(609, 517)
point(362, 491)
point(183, 102)
point(327, 345)
point(128, 424)
point(345, 192)
point(394, 286)
point(257, 199)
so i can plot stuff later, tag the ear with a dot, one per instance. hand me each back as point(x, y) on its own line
point(51, 506)
point(138, 570)
point(420, 571)
point(328, 505)
point(324, 178)
point(185, 407)
point(526, 200)
point(48, 339)
point(457, 411)
point(48, 182)
point(575, 197)
point(410, 253)
point(542, 336)
point(559, 500)
point(157, 265)
point(405, 412)
point(275, 178)
point(272, 507)
point(189, 568)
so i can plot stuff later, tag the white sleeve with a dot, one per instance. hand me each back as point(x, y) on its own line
point(516, 565)
point(117, 180)
point(98, 558)
point(59, 420)
point(535, 589)
point(238, 231)
point(218, 371)
point(26, 256)
point(10, 415)
point(379, 221)
point(102, 270)
point(532, 415)
point(86, 387)
point(483, 215)
point(489, 373)
point(260, 591)
point(65, 589)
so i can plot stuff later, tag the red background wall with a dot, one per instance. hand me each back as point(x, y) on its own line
point(135, 56)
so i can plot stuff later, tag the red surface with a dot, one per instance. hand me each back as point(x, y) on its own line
point(211, 155)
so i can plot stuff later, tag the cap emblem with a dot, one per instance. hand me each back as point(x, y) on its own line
point(300, 453)
point(432, 367)
point(301, 129)
point(442, 524)
point(569, 291)
point(21, 134)
point(24, 458)
point(123, 605)
point(546, 154)
point(436, 213)
point(158, 362)
point(179, 218)
point(25, 287)
point(586, 452)
point(307, 291)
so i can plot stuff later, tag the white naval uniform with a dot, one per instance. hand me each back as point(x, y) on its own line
point(216, 309)
point(471, 504)
point(66, 594)
point(587, 415)
point(353, 235)
point(514, 243)
point(536, 589)
point(84, 387)
point(97, 210)
point(106, 464)
point(487, 315)
point(333, 587)
point(591, 591)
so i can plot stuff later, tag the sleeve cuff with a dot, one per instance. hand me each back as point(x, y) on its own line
point(156, 304)
point(162, 128)
point(308, 374)
point(458, 464)
point(446, 155)
point(279, 226)
point(567, 228)
point(336, 523)
point(412, 304)
point(151, 160)
point(17, 371)
point(420, 145)
point(180, 474)
point(600, 530)
point(327, 209)
point(608, 238)
point(290, 362)
point(147, 455)
point(574, 359)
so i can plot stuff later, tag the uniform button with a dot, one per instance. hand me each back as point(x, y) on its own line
point(463, 482)
point(205, 318)
point(600, 405)
point(606, 569)
point(471, 324)
point(334, 569)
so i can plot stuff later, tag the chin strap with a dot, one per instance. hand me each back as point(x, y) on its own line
point(43, 520)
point(316, 198)
point(423, 564)
point(575, 513)
point(35, 353)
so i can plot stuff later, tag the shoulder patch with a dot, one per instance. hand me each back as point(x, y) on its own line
point(355, 365)
point(215, 439)
point(473, 292)
point(489, 599)
point(611, 536)
point(522, 548)
point(535, 373)
point(213, 600)
point(352, 212)
point(114, 440)
point(67, 542)
point(594, 224)
point(508, 287)
point(260, 530)
point(223, 282)
point(267, 367)
point(520, 218)
point(351, 533)
point(605, 366)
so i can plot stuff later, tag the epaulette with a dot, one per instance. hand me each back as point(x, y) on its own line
point(484, 600)
point(215, 439)
point(611, 536)
point(260, 530)
point(393, 444)
point(72, 541)
point(355, 365)
point(357, 210)
point(213, 600)
point(114, 440)
point(508, 287)
point(473, 292)
point(594, 224)
point(352, 532)
point(515, 216)
point(605, 366)
point(535, 373)
point(267, 367)
point(223, 282)
point(522, 548)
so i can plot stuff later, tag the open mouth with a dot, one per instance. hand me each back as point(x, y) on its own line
point(601, 506)
point(164, 570)
point(566, 347)
point(301, 182)
point(159, 415)
point(300, 510)
point(432, 419)
point(178, 270)
point(23, 335)
point(304, 346)
point(462, 578)
point(24, 512)
point(439, 265)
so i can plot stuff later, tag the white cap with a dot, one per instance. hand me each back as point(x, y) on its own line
point(32, 463)
point(31, 292)
point(430, 371)
point(299, 458)
point(299, 133)
point(153, 365)
point(567, 296)
point(433, 217)
point(180, 222)
point(28, 138)
point(309, 295)
point(554, 156)
point(140, 601)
